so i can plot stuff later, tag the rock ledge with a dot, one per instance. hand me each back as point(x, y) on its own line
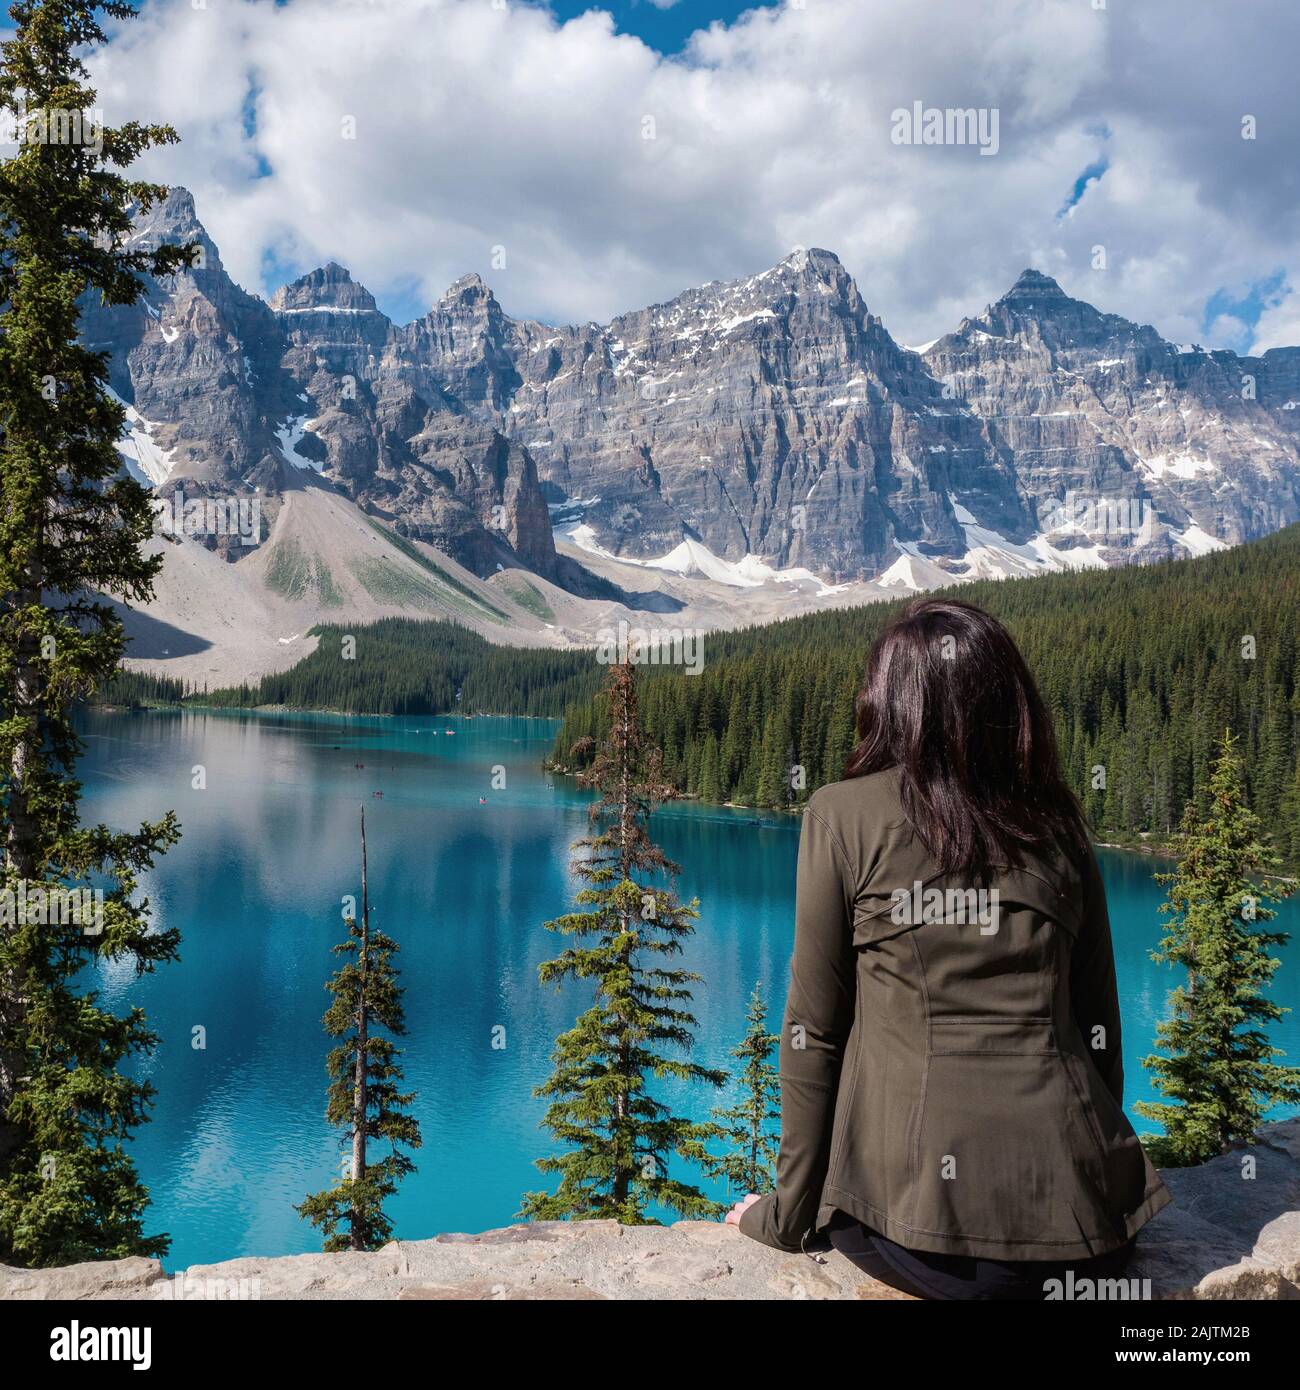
point(1233, 1232)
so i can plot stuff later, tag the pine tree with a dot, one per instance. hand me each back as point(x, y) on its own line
point(1274, 760)
point(710, 785)
point(752, 1126)
point(773, 770)
point(839, 739)
point(364, 1096)
point(72, 529)
point(1289, 831)
point(1220, 1071)
point(618, 1138)
point(731, 756)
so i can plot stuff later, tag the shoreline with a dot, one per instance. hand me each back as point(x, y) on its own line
point(161, 707)
point(1152, 844)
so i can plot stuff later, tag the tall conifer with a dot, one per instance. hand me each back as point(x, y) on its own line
point(72, 529)
point(364, 1097)
point(617, 1138)
point(751, 1127)
point(1219, 1074)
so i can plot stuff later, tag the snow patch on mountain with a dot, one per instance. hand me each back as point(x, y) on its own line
point(145, 461)
point(290, 436)
point(1177, 466)
point(733, 323)
point(990, 555)
point(693, 558)
point(326, 309)
point(1079, 557)
point(913, 571)
point(1198, 542)
point(584, 537)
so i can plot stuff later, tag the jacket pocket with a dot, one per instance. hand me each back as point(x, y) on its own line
point(992, 1035)
point(1003, 1155)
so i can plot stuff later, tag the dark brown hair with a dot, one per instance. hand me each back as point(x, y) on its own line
point(948, 700)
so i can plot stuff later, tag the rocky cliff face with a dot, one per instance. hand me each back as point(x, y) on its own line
point(1093, 407)
point(376, 421)
point(197, 361)
point(771, 417)
point(227, 392)
point(775, 416)
point(1223, 1238)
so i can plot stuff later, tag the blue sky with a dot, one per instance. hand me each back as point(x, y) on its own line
point(663, 27)
point(587, 161)
point(1232, 316)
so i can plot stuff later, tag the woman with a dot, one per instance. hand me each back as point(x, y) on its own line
point(951, 1077)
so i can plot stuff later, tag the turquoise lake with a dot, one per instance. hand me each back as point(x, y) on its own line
point(463, 875)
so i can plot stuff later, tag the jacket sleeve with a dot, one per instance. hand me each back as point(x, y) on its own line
point(818, 1017)
point(1093, 993)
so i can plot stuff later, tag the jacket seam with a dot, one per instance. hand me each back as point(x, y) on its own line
point(1056, 888)
point(925, 1074)
point(887, 907)
point(1061, 983)
point(850, 873)
point(982, 1020)
point(1028, 873)
point(838, 1130)
point(1085, 1105)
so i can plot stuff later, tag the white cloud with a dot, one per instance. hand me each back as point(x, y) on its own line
point(1279, 324)
point(1227, 331)
point(480, 128)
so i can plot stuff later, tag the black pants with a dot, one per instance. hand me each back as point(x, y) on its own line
point(952, 1277)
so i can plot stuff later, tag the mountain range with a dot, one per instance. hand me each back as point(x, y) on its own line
point(757, 446)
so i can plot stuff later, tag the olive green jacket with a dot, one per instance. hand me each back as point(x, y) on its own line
point(951, 1068)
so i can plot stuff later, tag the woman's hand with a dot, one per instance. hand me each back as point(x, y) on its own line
point(733, 1216)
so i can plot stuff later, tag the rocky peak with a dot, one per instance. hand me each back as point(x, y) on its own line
point(464, 340)
point(174, 222)
point(328, 287)
point(1034, 299)
point(175, 212)
point(810, 264)
point(1031, 287)
point(1036, 310)
point(805, 281)
point(469, 307)
point(468, 289)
